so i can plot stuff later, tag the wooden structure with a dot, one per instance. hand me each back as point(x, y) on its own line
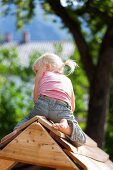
point(37, 143)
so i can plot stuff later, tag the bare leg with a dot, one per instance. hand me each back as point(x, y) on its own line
point(63, 126)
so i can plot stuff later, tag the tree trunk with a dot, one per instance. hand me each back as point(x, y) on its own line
point(98, 102)
point(98, 75)
point(99, 90)
point(97, 112)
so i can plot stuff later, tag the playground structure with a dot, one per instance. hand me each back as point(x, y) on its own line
point(37, 143)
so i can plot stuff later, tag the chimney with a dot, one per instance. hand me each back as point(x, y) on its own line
point(26, 37)
point(8, 37)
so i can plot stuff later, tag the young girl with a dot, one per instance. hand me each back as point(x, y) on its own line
point(54, 96)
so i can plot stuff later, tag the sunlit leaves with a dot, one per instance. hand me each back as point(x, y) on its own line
point(80, 85)
point(8, 61)
point(23, 10)
point(15, 90)
point(13, 106)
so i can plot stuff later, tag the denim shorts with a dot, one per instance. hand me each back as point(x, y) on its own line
point(55, 110)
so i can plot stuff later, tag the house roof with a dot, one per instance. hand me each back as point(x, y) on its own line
point(37, 143)
point(65, 48)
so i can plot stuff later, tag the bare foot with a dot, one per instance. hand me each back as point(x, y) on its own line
point(9, 136)
point(63, 126)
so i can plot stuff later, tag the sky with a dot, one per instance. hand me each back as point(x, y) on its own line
point(40, 28)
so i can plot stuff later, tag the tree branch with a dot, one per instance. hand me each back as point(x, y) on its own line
point(73, 25)
point(106, 49)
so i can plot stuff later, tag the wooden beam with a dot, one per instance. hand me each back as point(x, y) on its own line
point(88, 163)
point(35, 146)
point(6, 164)
point(88, 151)
point(48, 125)
point(109, 163)
point(90, 142)
point(8, 138)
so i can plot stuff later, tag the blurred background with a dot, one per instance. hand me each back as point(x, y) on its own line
point(78, 29)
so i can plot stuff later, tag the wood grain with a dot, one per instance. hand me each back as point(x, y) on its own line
point(35, 146)
point(88, 163)
point(6, 164)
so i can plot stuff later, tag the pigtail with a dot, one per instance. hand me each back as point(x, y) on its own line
point(69, 66)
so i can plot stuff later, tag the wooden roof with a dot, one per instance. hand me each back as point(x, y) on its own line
point(37, 143)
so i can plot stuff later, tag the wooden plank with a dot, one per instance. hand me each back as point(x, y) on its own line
point(35, 146)
point(26, 124)
point(76, 160)
point(11, 136)
point(64, 143)
point(41, 119)
point(109, 163)
point(91, 152)
point(60, 169)
point(6, 164)
point(88, 163)
point(48, 125)
point(90, 142)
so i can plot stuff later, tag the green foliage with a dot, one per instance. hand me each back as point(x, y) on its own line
point(8, 61)
point(33, 57)
point(92, 18)
point(80, 85)
point(14, 105)
point(23, 10)
point(58, 48)
point(15, 90)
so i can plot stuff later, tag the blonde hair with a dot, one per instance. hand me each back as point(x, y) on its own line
point(57, 65)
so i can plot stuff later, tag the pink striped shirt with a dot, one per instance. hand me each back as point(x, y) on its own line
point(57, 86)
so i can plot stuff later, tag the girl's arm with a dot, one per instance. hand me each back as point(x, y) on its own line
point(35, 94)
point(36, 86)
point(73, 101)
